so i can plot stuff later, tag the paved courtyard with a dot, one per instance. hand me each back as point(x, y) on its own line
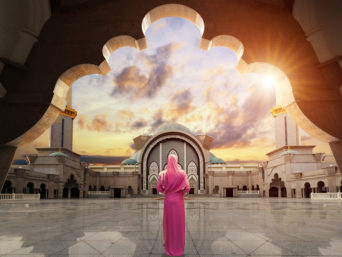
point(133, 227)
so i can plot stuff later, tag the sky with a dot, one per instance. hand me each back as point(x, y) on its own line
point(173, 80)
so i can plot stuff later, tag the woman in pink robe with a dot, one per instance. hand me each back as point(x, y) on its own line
point(174, 184)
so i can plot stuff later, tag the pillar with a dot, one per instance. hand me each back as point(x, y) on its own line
point(279, 192)
point(60, 190)
point(289, 192)
point(267, 190)
point(298, 190)
point(97, 182)
point(6, 158)
point(336, 148)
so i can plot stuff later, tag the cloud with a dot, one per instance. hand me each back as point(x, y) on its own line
point(239, 126)
point(181, 103)
point(133, 82)
point(126, 114)
point(81, 120)
point(139, 124)
point(129, 79)
point(99, 123)
point(157, 120)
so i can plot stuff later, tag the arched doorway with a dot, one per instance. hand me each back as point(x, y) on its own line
point(279, 185)
point(74, 192)
point(130, 190)
point(273, 192)
point(244, 188)
point(320, 187)
point(192, 183)
point(29, 188)
point(42, 191)
point(90, 188)
point(153, 184)
point(71, 188)
point(283, 192)
point(7, 188)
point(307, 190)
point(216, 189)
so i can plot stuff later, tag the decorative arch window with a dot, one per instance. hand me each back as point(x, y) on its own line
point(192, 168)
point(154, 168)
point(174, 152)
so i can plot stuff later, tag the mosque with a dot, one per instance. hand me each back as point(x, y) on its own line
point(39, 63)
point(292, 170)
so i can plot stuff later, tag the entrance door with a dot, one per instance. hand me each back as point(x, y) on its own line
point(154, 191)
point(192, 191)
point(273, 192)
point(229, 192)
point(117, 192)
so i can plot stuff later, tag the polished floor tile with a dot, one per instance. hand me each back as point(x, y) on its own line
point(133, 227)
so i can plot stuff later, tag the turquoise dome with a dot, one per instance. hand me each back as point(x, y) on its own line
point(129, 162)
point(289, 152)
point(58, 154)
point(19, 162)
point(173, 126)
point(214, 160)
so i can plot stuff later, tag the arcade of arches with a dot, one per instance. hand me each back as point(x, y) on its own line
point(206, 173)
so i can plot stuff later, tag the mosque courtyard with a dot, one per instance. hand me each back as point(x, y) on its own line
point(133, 227)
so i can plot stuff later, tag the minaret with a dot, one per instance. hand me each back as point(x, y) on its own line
point(62, 130)
point(286, 130)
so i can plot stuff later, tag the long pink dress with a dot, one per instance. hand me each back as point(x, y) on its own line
point(174, 184)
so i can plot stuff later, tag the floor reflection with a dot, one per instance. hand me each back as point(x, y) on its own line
point(133, 227)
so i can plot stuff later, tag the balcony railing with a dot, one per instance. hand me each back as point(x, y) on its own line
point(98, 194)
point(326, 196)
point(4, 197)
point(251, 192)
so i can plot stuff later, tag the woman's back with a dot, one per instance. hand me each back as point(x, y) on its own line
point(174, 184)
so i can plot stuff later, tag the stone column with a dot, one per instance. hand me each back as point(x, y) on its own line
point(160, 157)
point(267, 190)
point(51, 186)
point(336, 148)
point(185, 166)
point(97, 182)
point(279, 192)
point(60, 190)
point(6, 158)
point(69, 193)
point(289, 192)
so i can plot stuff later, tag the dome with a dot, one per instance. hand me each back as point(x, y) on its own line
point(173, 126)
point(289, 152)
point(58, 154)
point(214, 160)
point(19, 162)
point(129, 162)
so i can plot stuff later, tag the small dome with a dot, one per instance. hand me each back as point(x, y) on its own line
point(214, 160)
point(129, 162)
point(58, 154)
point(289, 152)
point(173, 126)
point(19, 162)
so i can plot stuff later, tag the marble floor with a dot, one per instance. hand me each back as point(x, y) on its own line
point(133, 227)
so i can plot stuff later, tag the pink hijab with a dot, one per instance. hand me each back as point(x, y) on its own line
point(174, 179)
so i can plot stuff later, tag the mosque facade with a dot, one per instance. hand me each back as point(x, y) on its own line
point(291, 171)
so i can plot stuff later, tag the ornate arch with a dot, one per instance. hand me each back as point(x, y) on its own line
point(152, 142)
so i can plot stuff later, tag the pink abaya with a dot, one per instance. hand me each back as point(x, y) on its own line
point(174, 184)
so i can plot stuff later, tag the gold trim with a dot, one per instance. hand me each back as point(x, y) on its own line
point(277, 110)
point(69, 112)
